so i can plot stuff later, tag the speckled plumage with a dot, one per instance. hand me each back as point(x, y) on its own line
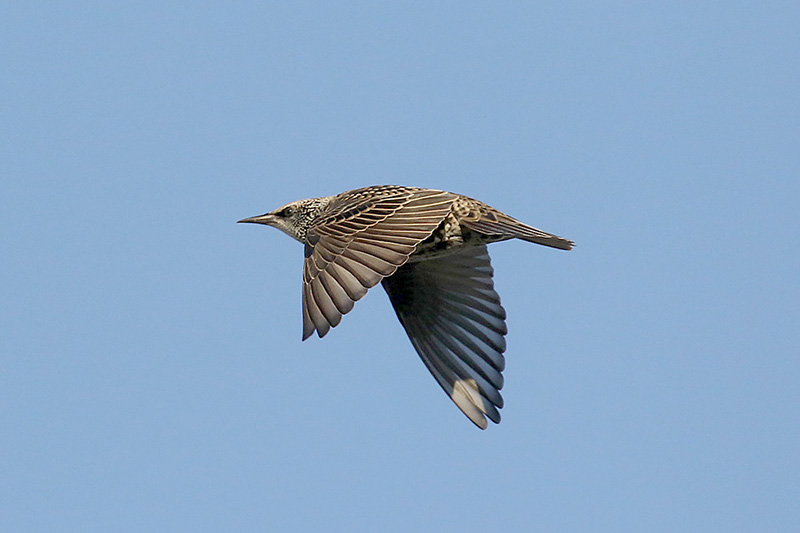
point(428, 249)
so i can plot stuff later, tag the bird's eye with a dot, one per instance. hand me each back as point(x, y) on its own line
point(288, 211)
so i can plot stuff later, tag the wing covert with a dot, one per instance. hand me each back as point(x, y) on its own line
point(360, 240)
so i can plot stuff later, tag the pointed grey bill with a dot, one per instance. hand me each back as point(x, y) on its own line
point(454, 319)
point(260, 219)
point(359, 243)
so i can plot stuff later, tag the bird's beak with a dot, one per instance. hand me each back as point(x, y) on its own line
point(268, 219)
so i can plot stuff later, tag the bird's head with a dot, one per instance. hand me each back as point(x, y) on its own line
point(293, 219)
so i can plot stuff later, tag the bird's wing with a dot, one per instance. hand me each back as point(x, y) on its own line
point(364, 237)
point(452, 314)
point(487, 220)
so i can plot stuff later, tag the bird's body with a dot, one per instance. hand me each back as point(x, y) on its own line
point(428, 249)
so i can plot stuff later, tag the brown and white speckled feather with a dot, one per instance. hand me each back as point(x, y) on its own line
point(358, 241)
point(486, 220)
point(428, 248)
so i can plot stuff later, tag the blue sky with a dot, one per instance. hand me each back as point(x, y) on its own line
point(153, 377)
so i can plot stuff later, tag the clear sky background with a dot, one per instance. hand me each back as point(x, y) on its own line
point(152, 375)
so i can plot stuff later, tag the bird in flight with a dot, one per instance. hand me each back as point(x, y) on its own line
point(428, 250)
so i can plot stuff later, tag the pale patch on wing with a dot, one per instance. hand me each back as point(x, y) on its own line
point(454, 319)
point(361, 241)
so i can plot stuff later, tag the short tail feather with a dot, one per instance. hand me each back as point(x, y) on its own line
point(513, 228)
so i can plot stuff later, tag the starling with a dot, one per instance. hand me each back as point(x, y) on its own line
point(428, 250)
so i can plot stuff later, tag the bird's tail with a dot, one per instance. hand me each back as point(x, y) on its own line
point(511, 228)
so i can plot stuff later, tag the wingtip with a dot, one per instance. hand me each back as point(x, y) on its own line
point(308, 331)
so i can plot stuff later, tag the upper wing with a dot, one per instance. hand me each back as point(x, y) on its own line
point(452, 314)
point(365, 236)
